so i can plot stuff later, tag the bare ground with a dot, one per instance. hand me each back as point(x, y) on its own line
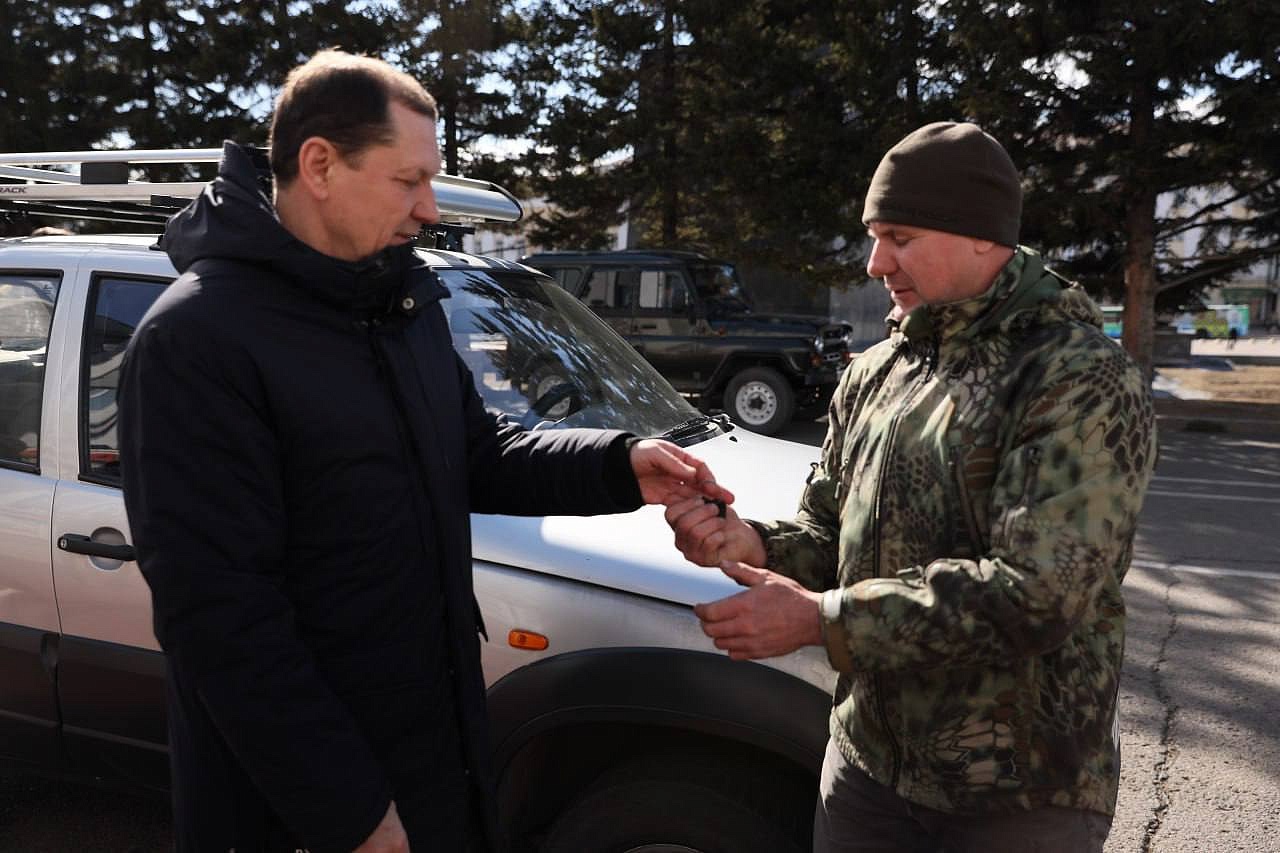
point(1244, 384)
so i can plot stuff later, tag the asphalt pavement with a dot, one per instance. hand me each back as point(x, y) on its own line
point(1200, 696)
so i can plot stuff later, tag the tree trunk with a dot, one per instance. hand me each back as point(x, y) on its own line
point(448, 107)
point(910, 73)
point(281, 25)
point(1138, 333)
point(150, 136)
point(452, 77)
point(670, 184)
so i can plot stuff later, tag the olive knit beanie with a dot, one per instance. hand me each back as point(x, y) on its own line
point(948, 177)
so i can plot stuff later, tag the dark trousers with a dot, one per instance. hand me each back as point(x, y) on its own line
point(856, 814)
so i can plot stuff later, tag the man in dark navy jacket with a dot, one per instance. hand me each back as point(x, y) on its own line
point(301, 450)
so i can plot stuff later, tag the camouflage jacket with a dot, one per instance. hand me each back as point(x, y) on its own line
point(976, 502)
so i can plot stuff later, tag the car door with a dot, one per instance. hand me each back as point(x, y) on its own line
point(664, 326)
point(611, 293)
point(110, 669)
point(30, 306)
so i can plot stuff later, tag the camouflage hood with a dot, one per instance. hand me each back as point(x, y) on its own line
point(975, 503)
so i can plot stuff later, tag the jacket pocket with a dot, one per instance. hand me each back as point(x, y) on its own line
point(1020, 497)
point(977, 542)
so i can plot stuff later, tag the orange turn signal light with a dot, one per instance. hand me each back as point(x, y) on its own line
point(529, 640)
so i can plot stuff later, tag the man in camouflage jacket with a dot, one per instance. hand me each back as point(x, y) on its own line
point(959, 548)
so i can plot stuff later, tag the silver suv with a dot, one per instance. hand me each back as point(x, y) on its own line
point(616, 724)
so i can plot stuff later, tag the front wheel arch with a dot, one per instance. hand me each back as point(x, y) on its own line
point(564, 722)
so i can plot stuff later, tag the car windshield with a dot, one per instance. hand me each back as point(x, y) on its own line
point(544, 359)
point(720, 289)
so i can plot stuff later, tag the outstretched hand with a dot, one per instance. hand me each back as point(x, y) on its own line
point(773, 616)
point(708, 535)
point(667, 474)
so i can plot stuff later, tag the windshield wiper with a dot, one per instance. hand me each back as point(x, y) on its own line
point(696, 426)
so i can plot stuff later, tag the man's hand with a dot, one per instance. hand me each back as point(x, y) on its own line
point(667, 474)
point(773, 617)
point(707, 535)
point(388, 836)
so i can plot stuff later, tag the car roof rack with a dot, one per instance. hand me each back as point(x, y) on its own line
point(99, 188)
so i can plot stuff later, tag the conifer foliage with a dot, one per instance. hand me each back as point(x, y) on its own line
point(749, 129)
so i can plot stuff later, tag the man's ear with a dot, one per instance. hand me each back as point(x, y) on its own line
point(981, 247)
point(316, 159)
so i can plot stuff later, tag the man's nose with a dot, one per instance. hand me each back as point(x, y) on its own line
point(880, 262)
point(425, 210)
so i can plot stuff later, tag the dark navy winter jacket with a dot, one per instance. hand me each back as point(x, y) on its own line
point(301, 449)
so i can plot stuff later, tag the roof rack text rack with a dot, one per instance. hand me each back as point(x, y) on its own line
point(99, 188)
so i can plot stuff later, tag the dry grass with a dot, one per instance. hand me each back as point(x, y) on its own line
point(1244, 384)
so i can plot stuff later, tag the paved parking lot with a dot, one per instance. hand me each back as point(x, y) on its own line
point(1200, 698)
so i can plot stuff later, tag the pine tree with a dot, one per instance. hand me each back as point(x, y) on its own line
point(748, 130)
point(456, 48)
point(1133, 124)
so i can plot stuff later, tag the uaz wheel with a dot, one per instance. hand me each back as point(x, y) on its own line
point(760, 399)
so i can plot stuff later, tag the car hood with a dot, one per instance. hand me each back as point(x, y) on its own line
point(635, 552)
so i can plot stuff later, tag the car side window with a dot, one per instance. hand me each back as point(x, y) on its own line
point(568, 277)
point(116, 305)
point(27, 301)
point(663, 292)
point(612, 289)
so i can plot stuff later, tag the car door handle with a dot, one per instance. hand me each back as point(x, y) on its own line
point(649, 326)
point(78, 543)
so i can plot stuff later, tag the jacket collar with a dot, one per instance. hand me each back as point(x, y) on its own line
point(968, 317)
point(1024, 284)
point(233, 218)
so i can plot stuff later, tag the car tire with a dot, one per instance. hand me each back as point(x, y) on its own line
point(760, 399)
point(708, 805)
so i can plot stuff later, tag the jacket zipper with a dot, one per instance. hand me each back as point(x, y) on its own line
point(383, 368)
point(877, 682)
point(1033, 467)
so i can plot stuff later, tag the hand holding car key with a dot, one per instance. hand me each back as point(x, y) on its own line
point(708, 531)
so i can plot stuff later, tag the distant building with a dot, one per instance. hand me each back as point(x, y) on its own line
point(511, 243)
point(1257, 286)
